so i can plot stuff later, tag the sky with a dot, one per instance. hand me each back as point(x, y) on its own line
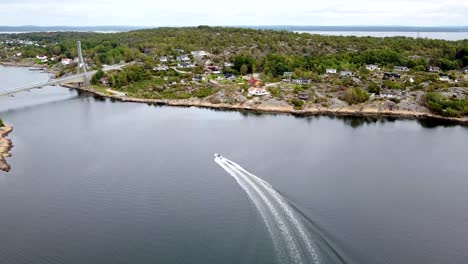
point(237, 12)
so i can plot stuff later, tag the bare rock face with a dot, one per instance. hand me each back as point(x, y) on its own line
point(5, 146)
point(388, 106)
point(337, 103)
point(274, 102)
point(240, 99)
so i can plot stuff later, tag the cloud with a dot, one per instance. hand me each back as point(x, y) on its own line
point(240, 12)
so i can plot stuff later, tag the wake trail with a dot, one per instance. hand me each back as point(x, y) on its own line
point(283, 205)
point(261, 209)
point(282, 225)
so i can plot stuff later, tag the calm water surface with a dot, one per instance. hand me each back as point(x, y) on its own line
point(95, 181)
point(429, 35)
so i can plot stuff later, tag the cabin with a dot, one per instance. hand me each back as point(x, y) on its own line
point(104, 80)
point(330, 71)
point(301, 81)
point(161, 68)
point(66, 61)
point(259, 91)
point(371, 67)
point(390, 75)
point(389, 95)
point(433, 69)
point(254, 82)
point(288, 74)
point(444, 79)
point(41, 57)
point(303, 96)
point(185, 65)
point(401, 68)
point(182, 58)
point(346, 73)
point(199, 53)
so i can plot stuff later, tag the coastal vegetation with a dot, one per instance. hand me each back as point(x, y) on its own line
point(261, 67)
point(1, 123)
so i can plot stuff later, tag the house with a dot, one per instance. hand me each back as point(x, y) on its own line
point(213, 68)
point(66, 61)
point(185, 65)
point(182, 58)
point(258, 91)
point(42, 58)
point(389, 95)
point(18, 54)
point(229, 76)
point(433, 69)
point(330, 71)
point(371, 67)
point(252, 81)
point(401, 68)
point(288, 74)
point(228, 64)
point(389, 75)
point(179, 50)
point(465, 70)
point(444, 79)
point(190, 89)
point(163, 59)
point(303, 96)
point(301, 81)
point(199, 53)
point(346, 73)
point(104, 80)
point(161, 68)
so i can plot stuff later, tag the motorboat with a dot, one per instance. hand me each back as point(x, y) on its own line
point(217, 155)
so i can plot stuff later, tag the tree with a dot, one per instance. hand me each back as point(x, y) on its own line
point(355, 96)
point(244, 69)
point(1, 123)
point(373, 88)
point(97, 76)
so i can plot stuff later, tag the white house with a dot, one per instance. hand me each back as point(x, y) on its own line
point(41, 57)
point(66, 61)
point(444, 79)
point(160, 68)
point(185, 65)
point(433, 69)
point(18, 54)
point(183, 58)
point(228, 64)
point(389, 95)
point(371, 67)
point(163, 59)
point(346, 73)
point(401, 68)
point(199, 53)
point(258, 91)
point(330, 71)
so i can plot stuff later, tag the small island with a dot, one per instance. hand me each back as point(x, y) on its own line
point(262, 70)
point(5, 146)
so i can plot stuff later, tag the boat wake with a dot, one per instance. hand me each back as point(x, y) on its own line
point(290, 238)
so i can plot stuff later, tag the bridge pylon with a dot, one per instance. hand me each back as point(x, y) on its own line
point(81, 63)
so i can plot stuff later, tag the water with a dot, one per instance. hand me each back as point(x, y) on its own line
point(96, 181)
point(429, 35)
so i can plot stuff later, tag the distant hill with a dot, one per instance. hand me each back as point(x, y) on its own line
point(364, 28)
point(68, 28)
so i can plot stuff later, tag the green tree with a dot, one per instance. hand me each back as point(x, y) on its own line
point(244, 69)
point(97, 76)
point(355, 96)
point(1, 123)
point(374, 88)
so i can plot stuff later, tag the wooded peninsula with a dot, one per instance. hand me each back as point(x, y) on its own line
point(262, 69)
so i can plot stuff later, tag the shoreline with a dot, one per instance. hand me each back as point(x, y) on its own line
point(346, 111)
point(5, 147)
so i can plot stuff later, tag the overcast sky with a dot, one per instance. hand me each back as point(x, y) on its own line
point(236, 12)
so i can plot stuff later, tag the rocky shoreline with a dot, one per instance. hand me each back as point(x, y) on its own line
point(5, 147)
point(363, 110)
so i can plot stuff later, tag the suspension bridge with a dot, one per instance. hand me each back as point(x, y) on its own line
point(82, 76)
